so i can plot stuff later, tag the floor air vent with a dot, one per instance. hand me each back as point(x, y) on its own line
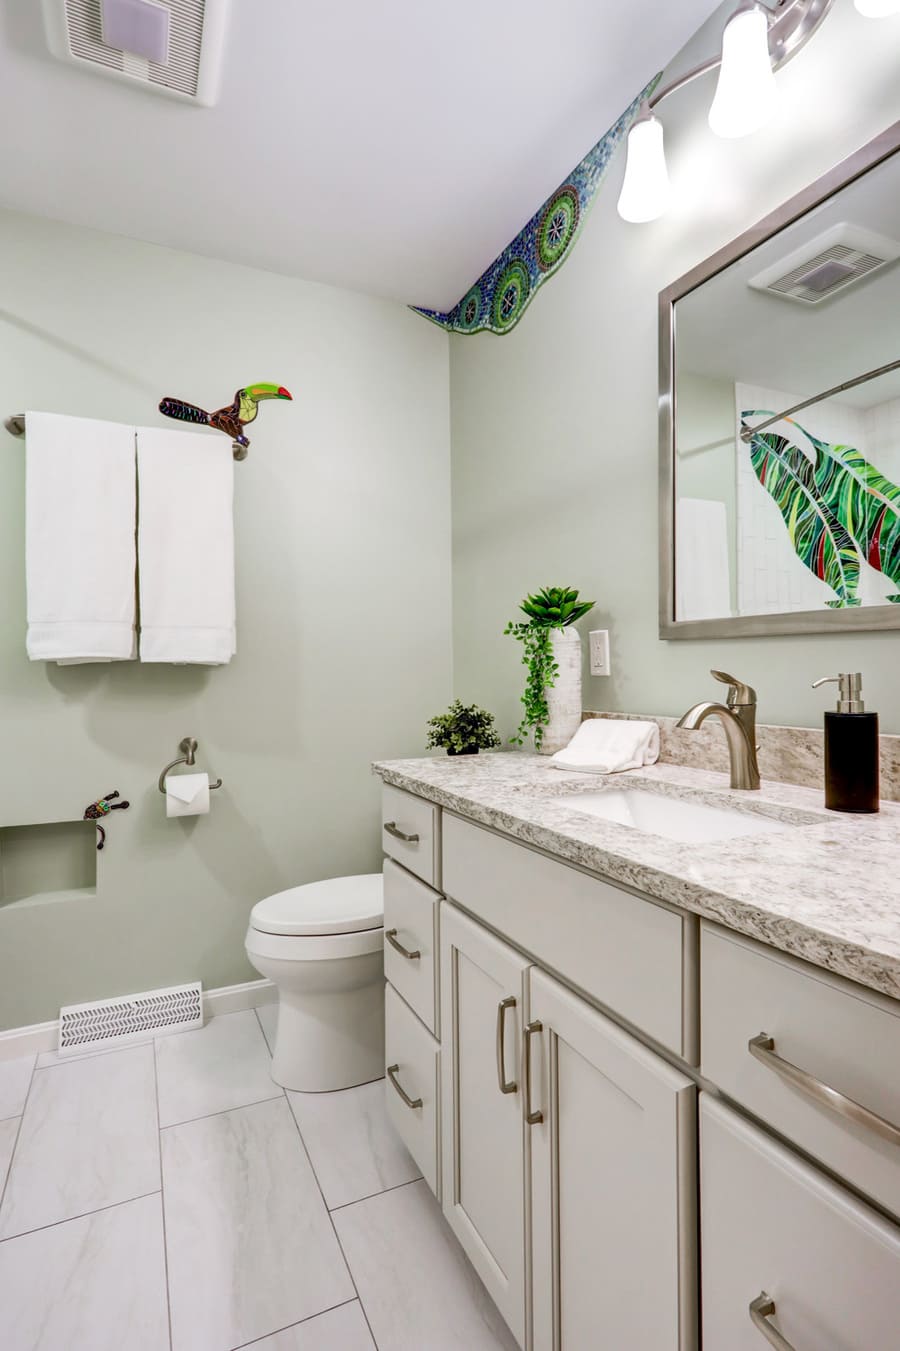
point(115, 1022)
point(827, 264)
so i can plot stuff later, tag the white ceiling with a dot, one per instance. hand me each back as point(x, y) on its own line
point(392, 146)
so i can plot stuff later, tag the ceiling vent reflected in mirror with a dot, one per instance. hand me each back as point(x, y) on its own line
point(827, 264)
point(194, 42)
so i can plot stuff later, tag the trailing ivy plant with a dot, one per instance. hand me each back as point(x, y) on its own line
point(553, 607)
point(463, 729)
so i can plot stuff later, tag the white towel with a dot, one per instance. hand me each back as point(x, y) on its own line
point(79, 539)
point(605, 745)
point(185, 546)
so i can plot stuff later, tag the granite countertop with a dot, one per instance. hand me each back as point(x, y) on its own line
point(826, 888)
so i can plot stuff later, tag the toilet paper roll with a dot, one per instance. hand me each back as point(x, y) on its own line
point(187, 795)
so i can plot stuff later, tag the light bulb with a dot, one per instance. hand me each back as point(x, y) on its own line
point(645, 189)
point(746, 93)
point(878, 9)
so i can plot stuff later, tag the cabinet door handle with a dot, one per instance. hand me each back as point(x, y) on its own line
point(761, 1309)
point(393, 829)
point(391, 936)
point(532, 1116)
point(763, 1048)
point(392, 1075)
point(506, 1085)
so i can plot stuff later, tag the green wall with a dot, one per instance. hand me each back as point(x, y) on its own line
point(343, 575)
point(554, 426)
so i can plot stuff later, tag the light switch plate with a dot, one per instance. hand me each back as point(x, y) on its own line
point(599, 649)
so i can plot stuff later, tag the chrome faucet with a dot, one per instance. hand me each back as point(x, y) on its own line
point(738, 719)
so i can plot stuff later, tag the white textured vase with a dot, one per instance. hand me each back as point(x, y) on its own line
point(564, 696)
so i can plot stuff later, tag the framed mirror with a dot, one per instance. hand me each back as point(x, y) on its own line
point(780, 417)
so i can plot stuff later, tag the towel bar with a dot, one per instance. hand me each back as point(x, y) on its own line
point(15, 425)
point(189, 748)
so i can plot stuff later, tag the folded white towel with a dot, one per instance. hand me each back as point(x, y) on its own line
point(79, 539)
point(605, 745)
point(185, 547)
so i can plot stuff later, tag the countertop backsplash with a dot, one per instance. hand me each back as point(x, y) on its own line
point(786, 754)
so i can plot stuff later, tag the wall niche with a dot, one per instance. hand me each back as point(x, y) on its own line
point(41, 864)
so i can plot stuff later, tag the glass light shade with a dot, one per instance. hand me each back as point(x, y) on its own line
point(645, 190)
point(878, 9)
point(746, 92)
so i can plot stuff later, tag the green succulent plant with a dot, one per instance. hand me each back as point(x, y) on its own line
point(463, 729)
point(553, 607)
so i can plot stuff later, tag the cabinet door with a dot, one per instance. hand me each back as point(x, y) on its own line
point(613, 1141)
point(789, 1257)
point(482, 994)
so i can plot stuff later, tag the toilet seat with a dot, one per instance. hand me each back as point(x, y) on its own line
point(333, 907)
point(315, 947)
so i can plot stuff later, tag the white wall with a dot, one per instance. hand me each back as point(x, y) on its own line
point(343, 575)
point(554, 426)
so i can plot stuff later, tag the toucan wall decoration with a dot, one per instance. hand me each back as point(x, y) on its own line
point(232, 419)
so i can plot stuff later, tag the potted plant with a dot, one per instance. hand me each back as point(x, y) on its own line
point(552, 653)
point(464, 729)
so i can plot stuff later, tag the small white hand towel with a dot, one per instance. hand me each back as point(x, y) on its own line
point(187, 794)
point(185, 547)
point(79, 539)
point(605, 745)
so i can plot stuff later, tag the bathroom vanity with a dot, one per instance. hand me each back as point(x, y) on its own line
point(654, 1082)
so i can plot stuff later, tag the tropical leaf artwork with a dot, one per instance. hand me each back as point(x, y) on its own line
point(838, 508)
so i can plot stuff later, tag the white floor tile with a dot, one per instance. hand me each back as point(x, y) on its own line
point(15, 1076)
point(354, 1149)
point(343, 1329)
point(416, 1286)
point(93, 1284)
point(250, 1245)
point(91, 1049)
point(213, 1069)
point(9, 1129)
point(88, 1139)
point(268, 1017)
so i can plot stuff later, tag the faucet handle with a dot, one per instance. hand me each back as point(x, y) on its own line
point(738, 693)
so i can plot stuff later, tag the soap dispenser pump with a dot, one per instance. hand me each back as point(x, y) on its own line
point(851, 749)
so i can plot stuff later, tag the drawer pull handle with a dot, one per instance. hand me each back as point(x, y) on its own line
point(761, 1309)
point(506, 1085)
point(391, 936)
point(392, 1075)
point(532, 1116)
point(393, 829)
point(763, 1048)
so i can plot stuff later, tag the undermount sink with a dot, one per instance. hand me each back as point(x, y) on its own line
point(673, 818)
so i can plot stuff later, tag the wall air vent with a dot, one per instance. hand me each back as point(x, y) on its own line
point(116, 1022)
point(189, 32)
point(828, 264)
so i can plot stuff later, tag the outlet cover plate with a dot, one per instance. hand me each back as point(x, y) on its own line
point(599, 649)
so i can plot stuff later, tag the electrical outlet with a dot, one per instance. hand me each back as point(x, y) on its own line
point(599, 641)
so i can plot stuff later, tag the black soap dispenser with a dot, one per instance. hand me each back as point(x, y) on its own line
point(851, 749)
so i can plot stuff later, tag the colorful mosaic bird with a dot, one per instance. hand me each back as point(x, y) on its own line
point(230, 420)
point(102, 807)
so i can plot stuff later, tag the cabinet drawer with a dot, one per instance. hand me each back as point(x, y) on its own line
point(410, 923)
point(840, 1035)
point(410, 833)
point(772, 1223)
point(412, 1065)
point(623, 951)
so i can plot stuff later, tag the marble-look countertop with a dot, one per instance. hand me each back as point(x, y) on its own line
point(826, 888)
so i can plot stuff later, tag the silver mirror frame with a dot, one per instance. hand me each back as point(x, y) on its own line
point(874, 617)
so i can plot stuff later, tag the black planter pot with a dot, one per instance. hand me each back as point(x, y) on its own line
point(468, 750)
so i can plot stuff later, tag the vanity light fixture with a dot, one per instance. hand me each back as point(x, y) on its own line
point(758, 40)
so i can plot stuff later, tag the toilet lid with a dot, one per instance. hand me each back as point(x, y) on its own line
point(336, 906)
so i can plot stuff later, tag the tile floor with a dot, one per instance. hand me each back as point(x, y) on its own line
point(171, 1197)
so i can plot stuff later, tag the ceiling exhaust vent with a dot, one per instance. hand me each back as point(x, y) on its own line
point(191, 33)
point(827, 264)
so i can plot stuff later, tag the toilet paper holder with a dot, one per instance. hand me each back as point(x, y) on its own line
point(188, 747)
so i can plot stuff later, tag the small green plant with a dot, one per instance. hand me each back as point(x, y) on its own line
point(463, 729)
point(553, 607)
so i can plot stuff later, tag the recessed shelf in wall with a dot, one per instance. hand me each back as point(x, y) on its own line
point(47, 863)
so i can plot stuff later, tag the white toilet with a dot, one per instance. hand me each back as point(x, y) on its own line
point(322, 945)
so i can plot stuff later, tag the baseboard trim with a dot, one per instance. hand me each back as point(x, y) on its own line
point(40, 1037)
